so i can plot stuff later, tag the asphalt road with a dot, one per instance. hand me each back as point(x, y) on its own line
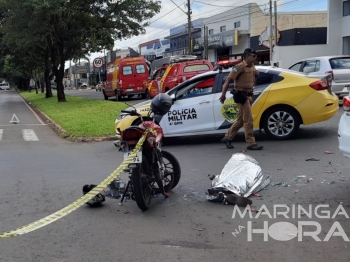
point(40, 177)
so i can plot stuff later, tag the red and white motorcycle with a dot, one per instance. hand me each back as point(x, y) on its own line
point(152, 171)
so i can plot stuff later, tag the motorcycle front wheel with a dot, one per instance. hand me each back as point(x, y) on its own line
point(172, 170)
point(141, 186)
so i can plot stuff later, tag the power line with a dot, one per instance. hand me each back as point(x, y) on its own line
point(228, 17)
point(164, 15)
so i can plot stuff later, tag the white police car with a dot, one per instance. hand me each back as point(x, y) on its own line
point(282, 101)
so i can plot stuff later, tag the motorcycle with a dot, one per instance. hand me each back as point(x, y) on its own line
point(152, 171)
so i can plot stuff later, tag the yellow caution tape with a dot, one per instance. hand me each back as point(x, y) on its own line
point(81, 201)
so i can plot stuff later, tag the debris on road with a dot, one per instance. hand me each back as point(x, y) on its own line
point(331, 183)
point(241, 177)
point(301, 176)
point(198, 229)
point(330, 172)
point(312, 159)
point(328, 152)
point(256, 195)
point(254, 210)
point(276, 184)
point(297, 191)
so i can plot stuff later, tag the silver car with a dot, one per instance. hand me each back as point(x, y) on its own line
point(337, 66)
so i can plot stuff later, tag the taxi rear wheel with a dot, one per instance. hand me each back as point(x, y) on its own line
point(281, 122)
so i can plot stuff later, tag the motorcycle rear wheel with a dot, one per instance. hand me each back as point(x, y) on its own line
point(141, 187)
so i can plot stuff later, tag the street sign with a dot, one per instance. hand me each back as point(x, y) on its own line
point(98, 62)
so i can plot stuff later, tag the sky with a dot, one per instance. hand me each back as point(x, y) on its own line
point(171, 16)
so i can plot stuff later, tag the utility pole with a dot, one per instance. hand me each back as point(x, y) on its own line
point(276, 35)
point(205, 42)
point(270, 36)
point(188, 13)
point(189, 44)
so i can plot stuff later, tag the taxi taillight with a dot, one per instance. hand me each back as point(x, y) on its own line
point(320, 85)
point(346, 103)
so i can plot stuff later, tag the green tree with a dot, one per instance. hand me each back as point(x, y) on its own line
point(74, 28)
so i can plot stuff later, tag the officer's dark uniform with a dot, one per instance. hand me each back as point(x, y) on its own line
point(244, 78)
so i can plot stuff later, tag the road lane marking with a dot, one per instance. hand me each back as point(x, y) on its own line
point(37, 117)
point(1, 132)
point(25, 125)
point(29, 135)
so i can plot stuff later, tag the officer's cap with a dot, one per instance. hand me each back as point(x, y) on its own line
point(249, 51)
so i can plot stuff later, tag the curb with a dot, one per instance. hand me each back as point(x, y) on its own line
point(59, 130)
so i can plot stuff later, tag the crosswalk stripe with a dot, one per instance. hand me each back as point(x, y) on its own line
point(1, 132)
point(29, 135)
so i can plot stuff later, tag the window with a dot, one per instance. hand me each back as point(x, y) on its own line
point(140, 69)
point(340, 63)
point(223, 28)
point(231, 84)
point(157, 45)
point(346, 45)
point(296, 67)
point(156, 74)
point(196, 68)
point(346, 8)
point(197, 88)
point(211, 31)
point(127, 70)
point(150, 46)
point(162, 72)
point(311, 66)
point(237, 24)
point(263, 79)
point(165, 42)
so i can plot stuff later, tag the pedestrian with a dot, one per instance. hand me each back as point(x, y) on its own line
point(244, 75)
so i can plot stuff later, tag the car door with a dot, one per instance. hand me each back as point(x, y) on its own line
point(192, 111)
point(260, 93)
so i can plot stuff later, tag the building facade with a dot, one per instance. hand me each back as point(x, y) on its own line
point(222, 30)
point(339, 26)
point(338, 38)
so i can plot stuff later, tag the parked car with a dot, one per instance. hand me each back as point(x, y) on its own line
point(344, 127)
point(5, 86)
point(337, 66)
point(126, 77)
point(83, 85)
point(177, 72)
point(98, 87)
point(282, 101)
point(153, 82)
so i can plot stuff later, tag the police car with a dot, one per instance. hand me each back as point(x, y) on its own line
point(282, 101)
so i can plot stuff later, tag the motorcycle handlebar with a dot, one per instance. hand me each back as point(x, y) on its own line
point(132, 113)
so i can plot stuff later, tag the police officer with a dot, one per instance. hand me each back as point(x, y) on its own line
point(244, 75)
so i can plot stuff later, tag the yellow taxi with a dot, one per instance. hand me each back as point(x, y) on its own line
point(282, 101)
